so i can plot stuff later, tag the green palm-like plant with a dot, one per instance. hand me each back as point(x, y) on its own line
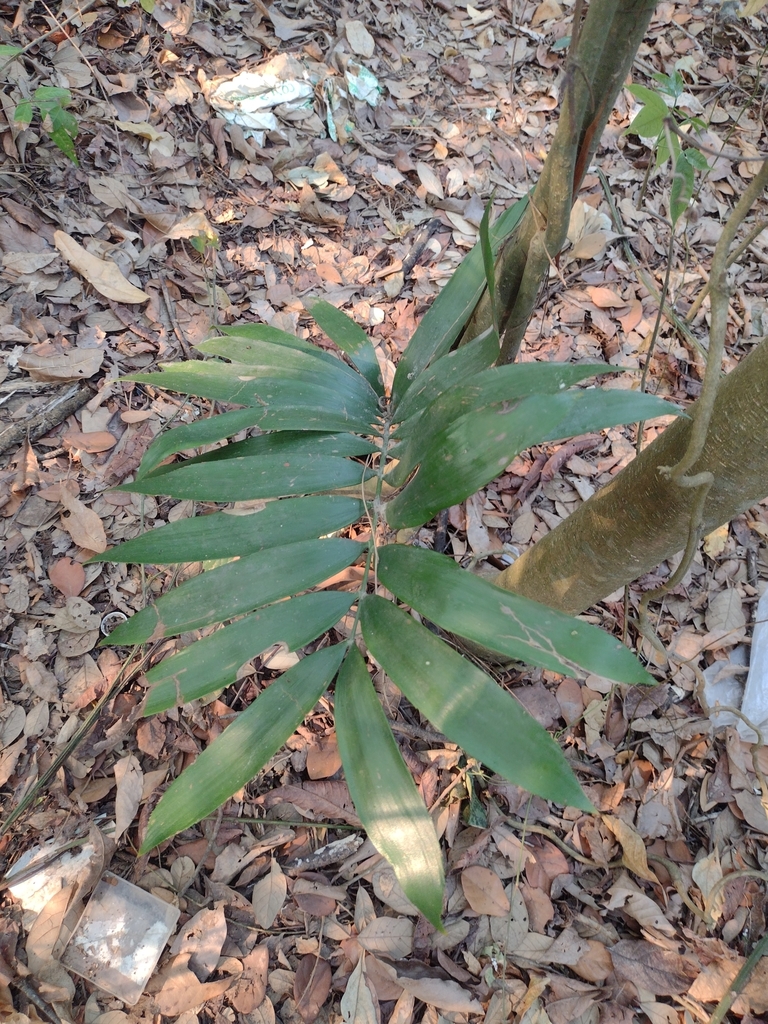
point(333, 449)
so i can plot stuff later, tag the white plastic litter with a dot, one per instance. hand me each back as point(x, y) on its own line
point(119, 938)
point(285, 89)
point(248, 99)
point(724, 681)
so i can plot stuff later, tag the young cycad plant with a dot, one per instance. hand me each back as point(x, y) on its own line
point(332, 449)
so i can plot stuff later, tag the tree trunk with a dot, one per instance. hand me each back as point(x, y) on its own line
point(641, 518)
point(602, 51)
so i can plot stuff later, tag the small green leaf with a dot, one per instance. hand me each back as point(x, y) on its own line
point(24, 112)
point(649, 122)
point(263, 332)
point(212, 663)
point(7, 51)
point(466, 704)
point(288, 443)
point(350, 338)
point(382, 789)
point(682, 188)
point(244, 748)
point(470, 452)
point(147, 5)
point(243, 479)
point(697, 159)
point(502, 621)
point(446, 317)
point(239, 587)
point(230, 535)
point(52, 95)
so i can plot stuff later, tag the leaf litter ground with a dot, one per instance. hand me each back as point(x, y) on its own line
point(174, 220)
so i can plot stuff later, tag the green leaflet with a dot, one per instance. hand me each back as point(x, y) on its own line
point(385, 797)
point(467, 705)
point(471, 452)
point(272, 360)
point(350, 338)
point(286, 404)
point(490, 387)
point(226, 535)
point(242, 479)
point(446, 317)
point(451, 369)
point(502, 621)
point(475, 448)
point(212, 662)
point(239, 587)
point(196, 435)
point(245, 747)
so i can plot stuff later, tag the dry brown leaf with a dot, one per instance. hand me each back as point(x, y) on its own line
point(67, 576)
point(659, 971)
point(546, 11)
point(44, 933)
point(202, 937)
point(357, 1003)
point(430, 180)
point(82, 524)
point(427, 984)
point(632, 845)
point(39, 679)
point(251, 987)
point(712, 983)
point(318, 800)
point(86, 685)
point(311, 986)
point(594, 964)
point(9, 758)
point(60, 362)
point(269, 896)
point(92, 442)
point(604, 298)
point(484, 891)
point(359, 38)
point(104, 275)
point(181, 990)
point(392, 936)
point(130, 783)
point(403, 1011)
point(323, 758)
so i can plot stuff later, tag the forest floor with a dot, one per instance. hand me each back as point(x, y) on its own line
point(172, 221)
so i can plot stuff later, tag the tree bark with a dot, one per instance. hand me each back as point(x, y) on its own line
point(601, 55)
point(641, 517)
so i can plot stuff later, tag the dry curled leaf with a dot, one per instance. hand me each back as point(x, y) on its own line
point(660, 971)
point(130, 784)
point(59, 362)
point(104, 275)
point(82, 524)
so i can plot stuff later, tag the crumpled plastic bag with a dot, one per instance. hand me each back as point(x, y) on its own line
point(285, 89)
